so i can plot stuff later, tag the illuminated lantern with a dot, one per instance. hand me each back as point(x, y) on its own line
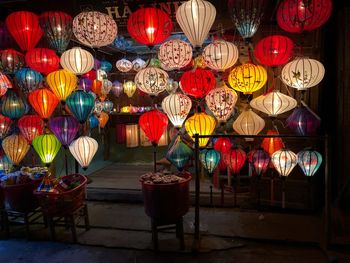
point(149, 26)
point(5, 84)
point(91, 75)
point(303, 122)
point(5, 164)
point(132, 135)
point(25, 29)
point(129, 88)
point(98, 107)
point(220, 55)
point(197, 83)
point(248, 123)
point(274, 50)
point(175, 54)
point(108, 106)
point(5, 37)
point(12, 105)
point(179, 154)
point(44, 102)
point(284, 161)
point(272, 144)
point(223, 145)
point(93, 122)
point(106, 86)
point(28, 79)
point(123, 65)
point(201, 124)
point(247, 78)
point(103, 119)
point(47, 147)
point(83, 150)
point(77, 60)
point(15, 147)
point(199, 62)
point(235, 160)
point(221, 102)
point(43, 60)
point(144, 141)
point(302, 73)
point(94, 29)
point(62, 83)
point(5, 124)
point(65, 128)
point(309, 161)
point(151, 80)
point(296, 16)
point(11, 61)
point(106, 66)
point(117, 88)
point(273, 103)
point(195, 18)
point(138, 64)
point(96, 86)
point(153, 123)
point(210, 159)
point(81, 103)
point(260, 160)
point(172, 86)
point(177, 106)
point(31, 126)
point(57, 28)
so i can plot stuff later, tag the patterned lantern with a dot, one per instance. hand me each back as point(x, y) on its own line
point(138, 64)
point(309, 161)
point(123, 65)
point(272, 144)
point(260, 160)
point(77, 60)
point(175, 54)
point(12, 105)
point(151, 80)
point(65, 128)
point(247, 78)
point(303, 122)
point(197, 83)
point(57, 27)
point(235, 160)
point(43, 60)
point(129, 88)
point(5, 84)
point(179, 154)
point(117, 88)
point(273, 51)
point(296, 16)
point(28, 79)
point(220, 55)
point(177, 106)
point(221, 102)
point(273, 103)
point(248, 123)
point(62, 83)
point(25, 29)
point(83, 150)
point(31, 126)
point(195, 18)
point(106, 66)
point(6, 39)
point(5, 124)
point(149, 26)
point(201, 124)
point(5, 164)
point(44, 102)
point(94, 29)
point(132, 135)
point(302, 73)
point(11, 61)
point(80, 103)
point(284, 161)
point(103, 119)
point(15, 147)
point(47, 147)
point(153, 123)
point(210, 159)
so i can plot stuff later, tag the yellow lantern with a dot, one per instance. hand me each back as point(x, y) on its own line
point(202, 124)
point(15, 147)
point(132, 135)
point(62, 83)
point(103, 119)
point(129, 88)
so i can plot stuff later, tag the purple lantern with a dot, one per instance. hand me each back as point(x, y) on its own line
point(303, 121)
point(97, 64)
point(117, 88)
point(6, 39)
point(65, 128)
point(85, 84)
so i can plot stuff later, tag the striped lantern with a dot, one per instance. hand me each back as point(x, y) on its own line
point(235, 159)
point(81, 103)
point(28, 79)
point(177, 106)
point(15, 147)
point(5, 124)
point(62, 83)
point(175, 54)
point(248, 123)
point(83, 150)
point(31, 126)
point(13, 106)
point(309, 161)
point(210, 159)
point(303, 121)
point(11, 61)
point(5, 164)
point(151, 80)
point(47, 147)
point(201, 124)
point(197, 83)
point(44, 102)
point(77, 61)
point(284, 161)
point(272, 144)
point(260, 160)
point(153, 123)
point(43, 60)
point(65, 128)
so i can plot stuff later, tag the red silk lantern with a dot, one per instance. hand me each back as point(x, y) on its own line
point(271, 145)
point(223, 145)
point(25, 29)
point(235, 160)
point(296, 16)
point(31, 126)
point(44, 102)
point(11, 60)
point(43, 60)
point(149, 26)
point(274, 50)
point(91, 75)
point(197, 83)
point(5, 123)
point(153, 123)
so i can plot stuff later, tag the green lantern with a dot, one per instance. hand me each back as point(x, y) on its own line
point(210, 159)
point(47, 147)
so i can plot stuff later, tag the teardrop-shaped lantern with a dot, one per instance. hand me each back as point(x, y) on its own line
point(93, 121)
point(284, 161)
point(15, 147)
point(11, 61)
point(309, 161)
point(77, 61)
point(65, 128)
point(62, 83)
point(248, 123)
point(12, 105)
point(179, 154)
point(272, 144)
point(31, 126)
point(44, 102)
point(177, 106)
point(129, 88)
point(108, 106)
point(235, 160)
point(210, 159)
point(196, 18)
point(80, 103)
point(260, 160)
point(197, 83)
point(153, 123)
point(28, 79)
point(175, 54)
point(304, 122)
point(83, 150)
point(43, 60)
point(5, 164)
point(47, 147)
point(103, 119)
point(201, 124)
point(117, 88)
point(5, 84)
point(151, 80)
point(5, 124)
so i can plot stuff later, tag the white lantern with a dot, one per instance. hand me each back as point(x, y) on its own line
point(106, 86)
point(302, 73)
point(175, 54)
point(101, 74)
point(94, 29)
point(172, 86)
point(177, 106)
point(309, 161)
point(138, 64)
point(284, 161)
point(151, 80)
point(221, 102)
point(123, 65)
point(129, 88)
point(195, 18)
point(220, 55)
point(248, 123)
point(132, 135)
point(83, 150)
point(273, 103)
point(77, 60)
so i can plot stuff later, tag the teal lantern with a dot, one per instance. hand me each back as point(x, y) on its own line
point(47, 147)
point(80, 103)
point(210, 159)
point(106, 65)
point(108, 106)
point(93, 122)
point(309, 161)
point(13, 106)
point(179, 154)
point(5, 164)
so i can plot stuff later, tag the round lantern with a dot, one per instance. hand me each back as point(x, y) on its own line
point(210, 159)
point(43, 60)
point(6, 39)
point(197, 83)
point(47, 147)
point(201, 124)
point(235, 160)
point(77, 61)
point(57, 28)
point(28, 79)
point(31, 126)
point(302, 73)
point(15, 147)
point(44, 102)
point(284, 161)
point(129, 88)
point(220, 55)
point(175, 54)
point(296, 16)
point(248, 123)
point(247, 78)
point(62, 83)
point(106, 66)
point(5, 164)
point(273, 103)
point(25, 29)
point(149, 26)
point(94, 29)
point(80, 103)
point(108, 106)
point(153, 123)
point(11, 61)
point(65, 128)
point(303, 122)
point(5, 124)
point(273, 51)
point(272, 144)
point(83, 150)
point(12, 105)
point(309, 161)
point(177, 106)
point(138, 64)
point(117, 88)
point(151, 80)
point(123, 65)
point(223, 145)
point(179, 154)
point(260, 160)
point(5, 84)
point(102, 119)
point(221, 102)
point(195, 18)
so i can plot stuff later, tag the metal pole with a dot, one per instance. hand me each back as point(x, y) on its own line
point(76, 166)
point(154, 158)
point(197, 192)
point(327, 213)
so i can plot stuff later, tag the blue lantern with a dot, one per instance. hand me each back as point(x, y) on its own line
point(13, 106)
point(5, 164)
point(80, 103)
point(108, 106)
point(28, 79)
point(210, 159)
point(93, 121)
point(106, 66)
point(179, 154)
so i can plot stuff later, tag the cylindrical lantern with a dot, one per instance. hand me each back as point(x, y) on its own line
point(123, 65)
point(5, 124)
point(151, 80)
point(153, 123)
point(132, 135)
point(28, 79)
point(65, 128)
point(303, 122)
point(5, 84)
point(175, 54)
point(201, 124)
point(195, 18)
point(12, 105)
point(11, 61)
point(15, 147)
point(309, 161)
point(138, 64)
point(62, 83)
point(177, 106)
point(83, 150)
point(129, 88)
point(248, 123)
point(272, 144)
point(47, 147)
point(43, 60)
point(44, 102)
point(77, 61)
point(31, 126)
point(210, 159)
point(81, 103)
point(284, 161)
point(235, 160)
point(179, 154)
point(103, 119)
point(197, 83)
point(117, 88)
point(260, 160)
point(120, 132)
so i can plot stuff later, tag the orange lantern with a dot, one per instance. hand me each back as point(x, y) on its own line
point(103, 119)
point(96, 86)
point(44, 102)
point(272, 145)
